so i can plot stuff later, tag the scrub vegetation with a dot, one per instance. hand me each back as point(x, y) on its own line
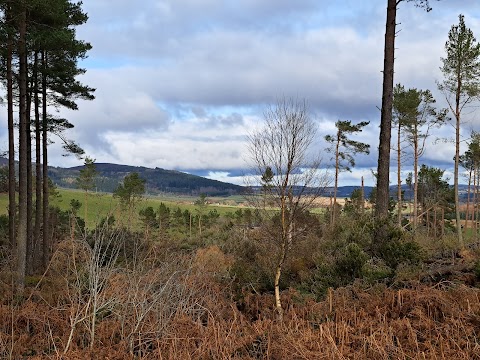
point(274, 273)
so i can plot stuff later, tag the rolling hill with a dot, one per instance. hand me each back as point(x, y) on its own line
point(177, 182)
point(157, 180)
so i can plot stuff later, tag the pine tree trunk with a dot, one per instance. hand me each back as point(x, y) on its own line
point(383, 173)
point(337, 170)
point(12, 206)
point(475, 204)
point(45, 205)
point(468, 200)
point(21, 251)
point(474, 200)
point(363, 195)
point(30, 246)
point(399, 174)
point(415, 184)
point(38, 167)
point(457, 160)
point(86, 209)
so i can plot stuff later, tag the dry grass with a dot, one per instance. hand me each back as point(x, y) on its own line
point(201, 322)
point(183, 309)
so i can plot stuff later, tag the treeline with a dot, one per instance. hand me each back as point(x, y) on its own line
point(158, 180)
point(39, 54)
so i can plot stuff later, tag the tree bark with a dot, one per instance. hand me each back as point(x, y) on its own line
point(399, 174)
point(474, 200)
point(287, 239)
point(363, 195)
point(415, 179)
point(457, 160)
point(468, 199)
point(383, 173)
point(21, 251)
point(45, 205)
point(12, 206)
point(475, 204)
point(337, 170)
point(30, 246)
point(86, 209)
point(38, 166)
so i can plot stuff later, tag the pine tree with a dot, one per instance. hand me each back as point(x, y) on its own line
point(461, 86)
point(86, 181)
point(383, 171)
point(414, 110)
point(344, 149)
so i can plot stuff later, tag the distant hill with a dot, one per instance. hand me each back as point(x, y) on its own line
point(177, 182)
point(157, 180)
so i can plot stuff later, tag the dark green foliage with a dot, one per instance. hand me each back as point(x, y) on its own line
point(415, 113)
point(158, 180)
point(213, 216)
point(3, 230)
point(177, 218)
point(461, 86)
point(350, 264)
point(433, 190)
point(348, 253)
point(398, 252)
point(470, 160)
point(267, 177)
point(3, 179)
point(372, 198)
point(75, 205)
point(356, 202)
point(343, 147)
point(108, 221)
point(131, 190)
point(163, 213)
point(201, 201)
point(405, 105)
point(248, 270)
point(187, 216)
point(148, 217)
point(86, 178)
point(462, 62)
point(248, 217)
point(60, 222)
point(476, 269)
point(394, 249)
point(52, 190)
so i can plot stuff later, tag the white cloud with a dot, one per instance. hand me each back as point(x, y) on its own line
point(181, 82)
point(187, 144)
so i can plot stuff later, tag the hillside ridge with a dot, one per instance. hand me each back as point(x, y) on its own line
point(157, 180)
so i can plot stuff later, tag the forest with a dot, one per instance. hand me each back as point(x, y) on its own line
point(290, 271)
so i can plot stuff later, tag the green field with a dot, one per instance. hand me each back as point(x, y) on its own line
point(102, 204)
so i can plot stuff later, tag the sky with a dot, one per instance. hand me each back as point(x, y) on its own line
point(181, 83)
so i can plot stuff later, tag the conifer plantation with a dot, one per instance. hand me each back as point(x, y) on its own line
point(285, 268)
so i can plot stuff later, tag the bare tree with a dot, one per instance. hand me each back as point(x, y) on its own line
point(88, 280)
point(281, 146)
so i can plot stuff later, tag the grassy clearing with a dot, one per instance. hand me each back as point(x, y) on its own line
point(102, 204)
